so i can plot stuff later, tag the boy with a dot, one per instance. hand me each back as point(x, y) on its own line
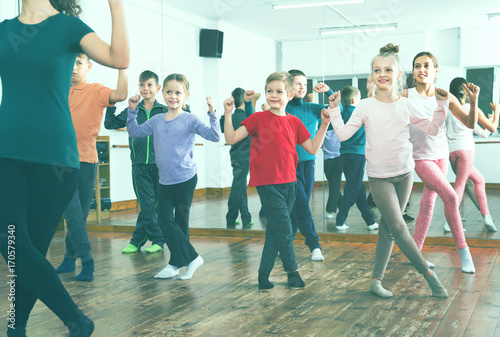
point(86, 102)
point(273, 161)
point(144, 170)
point(240, 156)
point(352, 155)
point(310, 115)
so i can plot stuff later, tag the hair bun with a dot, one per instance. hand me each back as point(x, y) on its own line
point(390, 48)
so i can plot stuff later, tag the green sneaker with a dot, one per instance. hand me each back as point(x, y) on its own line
point(154, 248)
point(249, 225)
point(130, 249)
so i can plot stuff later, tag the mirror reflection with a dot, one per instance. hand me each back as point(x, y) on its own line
point(258, 40)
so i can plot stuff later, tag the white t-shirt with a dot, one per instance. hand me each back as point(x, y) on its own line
point(426, 146)
point(459, 136)
point(388, 149)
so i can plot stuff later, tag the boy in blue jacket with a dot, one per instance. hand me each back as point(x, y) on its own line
point(352, 155)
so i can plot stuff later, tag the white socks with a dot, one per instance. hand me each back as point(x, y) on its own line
point(316, 255)
point(191, 268)
point(437, 288)
point(168, 272)
point(447, 229)
point(489, 224)
point(377, 289)
point(466, 259)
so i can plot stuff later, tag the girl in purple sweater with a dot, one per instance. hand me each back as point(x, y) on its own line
point(174, 135)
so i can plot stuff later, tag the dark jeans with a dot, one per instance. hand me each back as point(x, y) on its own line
point(145, 179)
point(33, 198)
point(277, 201)
point(238, 201)
point(354, 189)
point(174, 203)
point(76, 213)
point(333, 173)
point(301, 213)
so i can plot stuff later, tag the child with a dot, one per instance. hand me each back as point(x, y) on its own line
point(352, 155)
point(461, 146)
point(144, 169)
point(86, 103)
point(273, 160)
point(310, 115)
point(430, 153)
point(386, 117)
point(333, 172)
point(38, 150)
point(174, 134)
point(240, 155)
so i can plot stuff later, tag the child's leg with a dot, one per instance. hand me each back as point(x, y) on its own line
point(424, 216)
point(301, 214)
point(480, 191)
point(333, 173)
point(175, 232)
point(277, 201)
point(147, 223)
point(464, 162)
point(433, 174)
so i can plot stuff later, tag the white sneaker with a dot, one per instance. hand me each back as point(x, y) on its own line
point(489, 224)
point(343, 227)
point(446, 228)
point(373, 227)
point(316, 255)
point(329, 215)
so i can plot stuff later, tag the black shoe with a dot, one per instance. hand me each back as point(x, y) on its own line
point(408, 217)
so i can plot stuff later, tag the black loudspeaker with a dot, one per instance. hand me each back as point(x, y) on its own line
point(211, 43)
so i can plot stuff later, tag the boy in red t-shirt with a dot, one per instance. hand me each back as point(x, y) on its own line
point(273, 161)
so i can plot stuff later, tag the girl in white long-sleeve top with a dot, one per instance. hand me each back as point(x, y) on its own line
point(386, 118)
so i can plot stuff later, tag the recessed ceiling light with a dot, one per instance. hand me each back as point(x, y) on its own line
point(358, 29)
point(295, 4)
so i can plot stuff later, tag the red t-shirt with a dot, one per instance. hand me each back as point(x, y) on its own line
point(273, 158)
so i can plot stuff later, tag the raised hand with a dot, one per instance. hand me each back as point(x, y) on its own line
point(334, 100)
point(249, 95)
point(256, 97)
point(472, 91)
point(441, 94)
point(321, 87)
point(133, 102)
point(229, 105)
point(211, 105)
point(496, 108)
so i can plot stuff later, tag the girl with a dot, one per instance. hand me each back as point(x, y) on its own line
point(174, 134)
point(386, 117)
point(38, 178)
point(430, 153)
point(461, 146)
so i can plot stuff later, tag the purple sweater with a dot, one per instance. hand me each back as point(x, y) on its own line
point(174, 142)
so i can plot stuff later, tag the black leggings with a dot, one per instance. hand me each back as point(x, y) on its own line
point(174, 203)
point(32, 200)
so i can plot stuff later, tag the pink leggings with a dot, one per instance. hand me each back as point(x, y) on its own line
point(462, 162)
point(433, 174)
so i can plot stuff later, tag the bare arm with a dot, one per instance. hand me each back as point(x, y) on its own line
point(491, 126)
point(121, 91)
point(232, 136)
point(343, 131)
point(468, 119)
point(313, 145)
point(118, 54)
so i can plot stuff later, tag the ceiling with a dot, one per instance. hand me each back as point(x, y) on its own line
point(304, 23)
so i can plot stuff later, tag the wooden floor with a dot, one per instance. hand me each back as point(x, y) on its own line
point(208, 212)
point(222, 299)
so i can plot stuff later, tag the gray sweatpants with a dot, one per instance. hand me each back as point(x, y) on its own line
point(391, 195)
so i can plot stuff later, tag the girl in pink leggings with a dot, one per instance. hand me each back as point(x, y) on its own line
point(431, 156)
point(461, 146)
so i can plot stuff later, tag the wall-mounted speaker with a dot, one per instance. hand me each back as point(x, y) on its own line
point(211, 43)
